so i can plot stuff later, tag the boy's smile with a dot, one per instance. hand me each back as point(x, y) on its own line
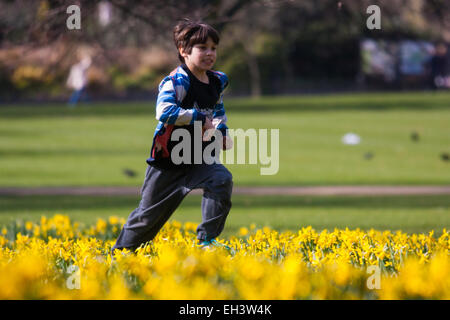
point(201, 58)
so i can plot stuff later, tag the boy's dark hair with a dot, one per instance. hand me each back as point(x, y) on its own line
point(188, 33)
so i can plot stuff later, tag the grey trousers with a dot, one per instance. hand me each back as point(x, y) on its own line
point(163, 191)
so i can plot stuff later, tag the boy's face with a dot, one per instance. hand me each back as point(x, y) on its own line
point(202, 56)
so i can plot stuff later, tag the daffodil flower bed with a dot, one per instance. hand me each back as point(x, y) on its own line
point(60, 259)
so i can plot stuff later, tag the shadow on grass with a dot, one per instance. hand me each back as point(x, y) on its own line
point(47, 152)
point(344, 102)
point(414, 214)
point(11, 204)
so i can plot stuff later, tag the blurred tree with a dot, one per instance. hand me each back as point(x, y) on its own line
point(267, 44)
point(137, 23)
point(106, 27)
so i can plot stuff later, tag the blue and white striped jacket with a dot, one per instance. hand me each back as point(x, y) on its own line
point(169, 113)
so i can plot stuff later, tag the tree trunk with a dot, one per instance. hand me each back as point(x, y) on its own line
point(255, 74)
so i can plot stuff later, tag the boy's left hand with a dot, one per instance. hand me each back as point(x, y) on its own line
point(227, 143)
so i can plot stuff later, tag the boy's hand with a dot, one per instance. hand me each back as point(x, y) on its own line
point(227, 143)
point(207, 126)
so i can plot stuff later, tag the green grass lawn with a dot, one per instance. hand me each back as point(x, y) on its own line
point(50, 145)
point(91, 145)
point(416, 214)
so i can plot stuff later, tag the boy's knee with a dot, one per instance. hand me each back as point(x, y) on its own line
point(225, 178)
point(221, 184)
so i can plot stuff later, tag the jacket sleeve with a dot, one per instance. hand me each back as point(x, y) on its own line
point(219, 117)
point(168, 110)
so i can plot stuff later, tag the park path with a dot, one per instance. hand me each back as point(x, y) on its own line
point(262, 191)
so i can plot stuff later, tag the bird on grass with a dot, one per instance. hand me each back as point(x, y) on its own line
point(368, 155)
point(128, 172)
point(414, 136)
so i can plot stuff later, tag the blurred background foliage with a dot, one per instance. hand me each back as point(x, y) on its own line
point(267, 46)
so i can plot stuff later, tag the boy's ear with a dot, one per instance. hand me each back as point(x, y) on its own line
point(182, 52)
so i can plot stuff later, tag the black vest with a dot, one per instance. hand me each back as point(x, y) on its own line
point(206, 96)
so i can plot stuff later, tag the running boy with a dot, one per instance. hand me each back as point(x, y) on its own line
point(191, 95)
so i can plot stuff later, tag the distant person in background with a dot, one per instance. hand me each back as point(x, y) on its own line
point(439, 67)
point(77, 79)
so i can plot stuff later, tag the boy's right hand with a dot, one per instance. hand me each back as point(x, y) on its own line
point(207, 126)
